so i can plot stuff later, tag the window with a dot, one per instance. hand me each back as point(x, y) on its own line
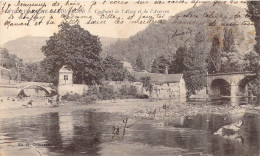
point(66, 77)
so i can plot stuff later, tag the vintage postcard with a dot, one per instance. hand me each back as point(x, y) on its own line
point(130, 78)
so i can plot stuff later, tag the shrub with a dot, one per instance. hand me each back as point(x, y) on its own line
point(123, 90)
point(106, 92)
point(132, 90)
point(71, 97)
point(143, 96)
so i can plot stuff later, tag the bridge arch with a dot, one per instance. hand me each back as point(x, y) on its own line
point(46, 89)
point(220, 87)
point(243, 84)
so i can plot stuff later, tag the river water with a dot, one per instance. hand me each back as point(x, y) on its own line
point(85, 132)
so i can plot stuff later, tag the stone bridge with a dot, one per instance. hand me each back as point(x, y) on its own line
point(26, 85)
point(229, 84)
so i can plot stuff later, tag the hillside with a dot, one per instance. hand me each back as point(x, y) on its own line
point(158, 39)
point(29, 47)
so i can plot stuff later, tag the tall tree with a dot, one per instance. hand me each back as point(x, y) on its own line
point(178, 66)
point(228, 40)
point(140, 63)
point(155, 68)
point(232, 59)
point(195, 61)
point(214, 59)
point(76, 48)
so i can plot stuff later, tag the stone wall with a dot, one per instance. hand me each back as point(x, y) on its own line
point(72, 89)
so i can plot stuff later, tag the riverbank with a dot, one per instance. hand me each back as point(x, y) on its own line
point(135, 108)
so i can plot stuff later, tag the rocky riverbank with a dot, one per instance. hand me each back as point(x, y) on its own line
point(135, 108)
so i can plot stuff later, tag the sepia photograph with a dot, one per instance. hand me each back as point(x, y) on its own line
point(129, 78)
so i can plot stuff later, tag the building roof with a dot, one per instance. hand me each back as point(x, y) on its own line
point(155, 77)
point(65, 69)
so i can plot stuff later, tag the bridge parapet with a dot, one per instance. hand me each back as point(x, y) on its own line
point(21, 85)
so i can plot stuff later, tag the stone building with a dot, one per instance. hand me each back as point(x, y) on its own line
point(66, 85)
point(65, 76)
point(164, 86)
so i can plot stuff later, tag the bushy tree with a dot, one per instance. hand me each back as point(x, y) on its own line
point(9, 60)
point(34, 72)
point(163, 62)
point(113, 69)
point(76, 48)
point(251, 61)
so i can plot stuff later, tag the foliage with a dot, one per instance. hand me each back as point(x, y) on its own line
point(106, 92)
point(130, 77)
point(143, 96)
point(251, 61)
point(139, 63)
point(228, 40)
point(147, 83)
point(214, 59)
point(113, 69)
point(78, 49)
point(9, 60)
point(177, 65)
point(155, 68)
point(88, 96)
point(131, 90)
point(71, 97)
point(253, 13)
point(159, 39)
point(232, 61)
point(195, 62)
point(163, 63)
point(34, 72)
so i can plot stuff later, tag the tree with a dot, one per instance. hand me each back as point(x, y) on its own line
point(253, 13)
point(140, 63)
point(228, 40)
point(177, 66)
point(232, 59)
point(113, 69)
point(155, 68)
point(162, 64)
point(34, 72)
point(9, 60)
point(195, 62)
point(76, 48)
point(214, 59)
point(251, 61)
point(147, 83)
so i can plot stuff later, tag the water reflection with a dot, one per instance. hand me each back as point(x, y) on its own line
point(89, 133)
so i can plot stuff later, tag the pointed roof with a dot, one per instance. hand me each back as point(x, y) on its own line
point(65, 69)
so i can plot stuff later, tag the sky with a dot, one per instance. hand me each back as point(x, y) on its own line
point(105, 30)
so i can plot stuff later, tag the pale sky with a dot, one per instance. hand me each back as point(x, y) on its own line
point(106, 30)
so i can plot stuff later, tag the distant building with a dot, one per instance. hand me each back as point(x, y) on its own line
point(65, 76)
point(165, 86)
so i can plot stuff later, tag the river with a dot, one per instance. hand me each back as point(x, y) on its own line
point(86, 132)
